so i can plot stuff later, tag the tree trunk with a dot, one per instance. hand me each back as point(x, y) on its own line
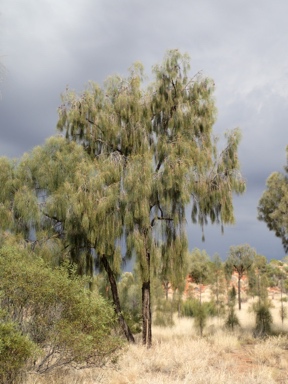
point(239, 291)
point(116, 301)
point(166, 288)
point(146, 308)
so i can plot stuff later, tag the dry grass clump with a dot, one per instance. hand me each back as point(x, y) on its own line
point(224, 341)
point(68, 376)
point(270, 352)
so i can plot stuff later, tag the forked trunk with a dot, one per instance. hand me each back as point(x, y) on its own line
point(126, 330)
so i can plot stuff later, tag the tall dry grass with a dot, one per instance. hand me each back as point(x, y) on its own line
point(179, 355)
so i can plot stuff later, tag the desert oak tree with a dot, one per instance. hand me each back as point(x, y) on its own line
point(159, 137)
point(240, 259)
point(56, 201)
point(273, 205)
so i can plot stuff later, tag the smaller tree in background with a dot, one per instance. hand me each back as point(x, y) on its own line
point(264, 318)
point(257, 276)
point(232, 319)
point(240, 260)
point(228, 271)
point(217, 281)
point(198, 267)
point(199, 271)
point(262, 307)
point(283, 310)
point(200, 314)
point(273, 205)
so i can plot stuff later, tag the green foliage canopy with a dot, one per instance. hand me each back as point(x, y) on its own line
point(161, 138)
point(199, 266)
point(15, 351)
point(145, 154)
point(273, 204)
point(240, 260)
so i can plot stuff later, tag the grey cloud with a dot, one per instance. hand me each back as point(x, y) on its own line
point(246, 230)
point(240, 44)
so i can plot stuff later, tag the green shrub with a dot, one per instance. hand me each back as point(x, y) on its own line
point(264, 319)
point(187, 308)
point(199, 311)
point(232, 320)
point(190, 307)
point(69, 324)
point(164, 313)
point(15, 351)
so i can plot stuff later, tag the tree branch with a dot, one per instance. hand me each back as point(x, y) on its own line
point(160, 218)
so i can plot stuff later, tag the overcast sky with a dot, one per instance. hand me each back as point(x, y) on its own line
point(49, 44)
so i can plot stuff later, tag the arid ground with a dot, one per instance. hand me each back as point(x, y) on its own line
point(179, 355)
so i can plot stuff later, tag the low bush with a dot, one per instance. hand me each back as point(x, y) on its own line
point(264, 319)
point(190, 307)
point(54, 310)
point(15, 351)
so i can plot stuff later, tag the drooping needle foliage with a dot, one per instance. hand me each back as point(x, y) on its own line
point(273, 205)
point(155, 150)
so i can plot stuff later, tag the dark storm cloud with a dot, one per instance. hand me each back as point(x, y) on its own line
point(265, 135)
point(246, 230)
point(25, 123)
point(49, 45)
